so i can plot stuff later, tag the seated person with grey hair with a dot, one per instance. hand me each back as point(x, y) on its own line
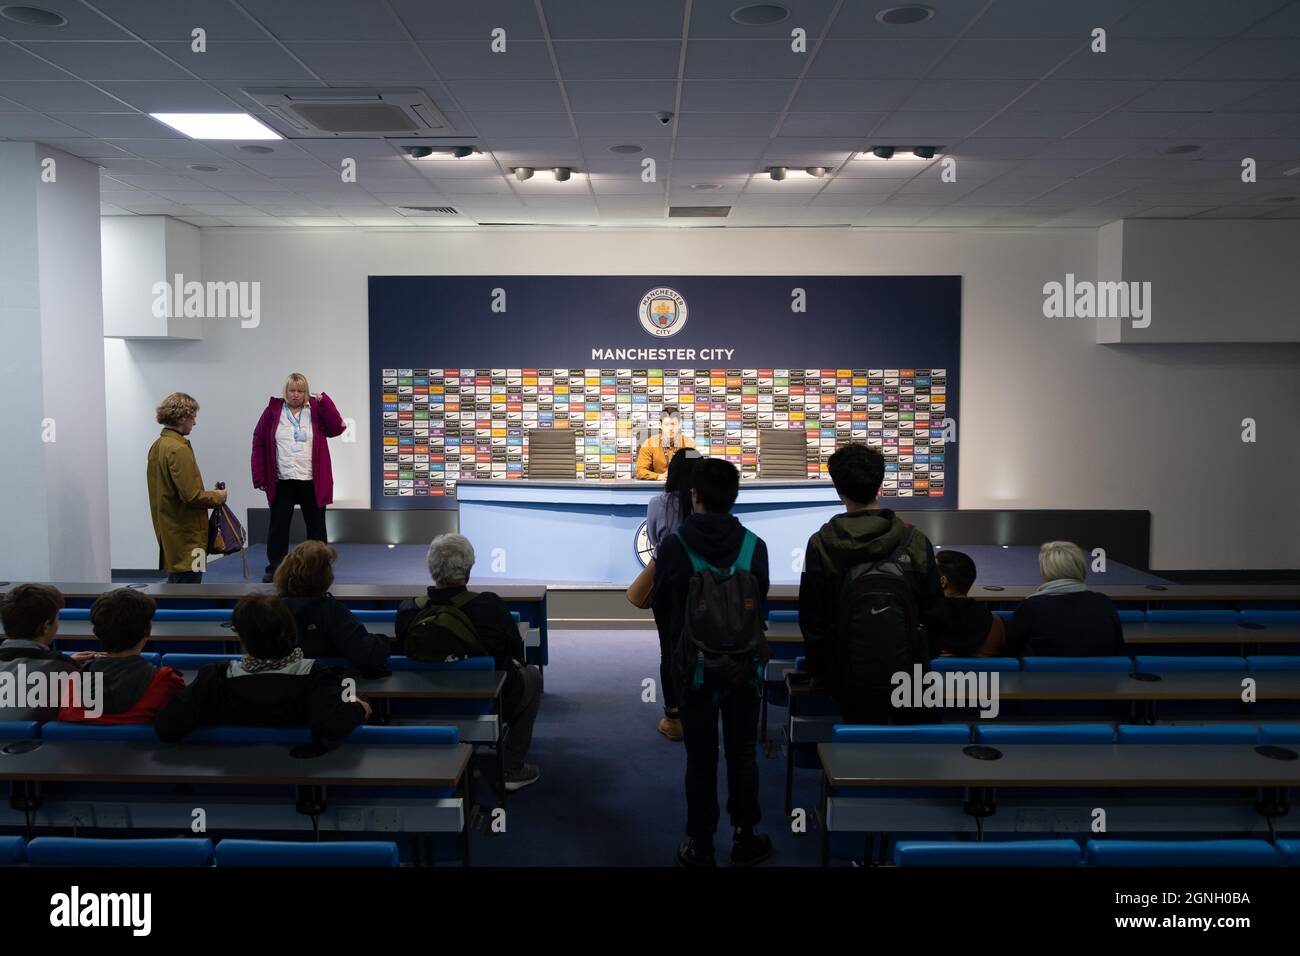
point(451, 558)
point(1062, 618)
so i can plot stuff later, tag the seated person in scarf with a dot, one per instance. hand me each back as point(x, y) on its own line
point(272, 685)
point(1062, 618)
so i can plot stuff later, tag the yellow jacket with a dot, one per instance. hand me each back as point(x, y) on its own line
point(177, 501)
point(652, 460)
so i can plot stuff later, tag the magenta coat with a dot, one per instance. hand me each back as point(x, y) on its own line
point(325, 424)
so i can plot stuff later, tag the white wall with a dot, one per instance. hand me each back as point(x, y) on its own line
point(1049, 417)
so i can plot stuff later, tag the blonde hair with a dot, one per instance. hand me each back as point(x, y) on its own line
point(295, 377)
point(1061, 559)
point(175, 408)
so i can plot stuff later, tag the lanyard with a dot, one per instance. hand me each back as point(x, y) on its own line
point(296, 421)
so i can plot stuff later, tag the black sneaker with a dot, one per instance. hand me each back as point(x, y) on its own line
point(269, 577)
point(749, 848)
point(690, 854)
point(524, 776)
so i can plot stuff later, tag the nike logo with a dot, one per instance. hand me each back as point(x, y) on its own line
point(879, 610)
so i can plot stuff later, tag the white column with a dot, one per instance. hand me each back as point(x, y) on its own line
point(53, 428)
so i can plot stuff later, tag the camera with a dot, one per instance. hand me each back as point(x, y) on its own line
point(665, 117)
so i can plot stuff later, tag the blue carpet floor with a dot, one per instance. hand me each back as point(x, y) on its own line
point(611, 791)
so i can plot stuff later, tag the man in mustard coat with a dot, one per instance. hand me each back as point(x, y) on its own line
point(658, 450)
point(177, 501)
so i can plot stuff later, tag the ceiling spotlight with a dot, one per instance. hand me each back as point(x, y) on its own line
point(759, 14)
point(460, 152)
point(204, 168)
point(255, 150)
point(523, 172)
point(903, 16)
point(883, 152)
point(33, 16)
point(561, 174)
point(776, 172)
point(705, 185)
point(628, 149)
point(923, 152)
point(418, 152)
point(816, 171)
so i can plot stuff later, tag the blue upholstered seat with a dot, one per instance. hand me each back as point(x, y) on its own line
point(1185, 734)
point(1182, 664)
point(1109, 665)
point(1181, 853)
point(900, 734)
point(1010, 853)
point(84, 851)
point(290, 853)
point(994, 734)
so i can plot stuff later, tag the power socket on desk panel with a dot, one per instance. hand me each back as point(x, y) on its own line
point(385, 819)
point(352, 819)
point(76, 815)
point(114, 816)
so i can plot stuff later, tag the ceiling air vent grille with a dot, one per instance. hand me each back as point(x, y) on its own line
point(427, 210)
point(353, 112)
point(698, 212)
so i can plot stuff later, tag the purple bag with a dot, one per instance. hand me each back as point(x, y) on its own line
point(225, 534)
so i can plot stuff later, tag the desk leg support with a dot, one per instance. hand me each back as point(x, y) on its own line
point(789, 777)
point(467, 823)
point(25, 797)
point(825, 801)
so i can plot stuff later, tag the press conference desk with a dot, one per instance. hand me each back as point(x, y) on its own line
point(587, 531)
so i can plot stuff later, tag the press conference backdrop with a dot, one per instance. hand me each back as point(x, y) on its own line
point(463, 367)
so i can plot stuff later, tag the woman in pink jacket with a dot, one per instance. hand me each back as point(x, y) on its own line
point(291, 463)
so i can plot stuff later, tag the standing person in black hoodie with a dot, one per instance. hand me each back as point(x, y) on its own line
point(272, 685)
point(1062, 618)
point(326, 627)
point(863, 535)
point(716, 536)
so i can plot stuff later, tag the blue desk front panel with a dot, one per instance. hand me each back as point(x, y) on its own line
point(587, 532)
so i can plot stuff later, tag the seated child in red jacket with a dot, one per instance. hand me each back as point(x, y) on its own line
point(133, 690)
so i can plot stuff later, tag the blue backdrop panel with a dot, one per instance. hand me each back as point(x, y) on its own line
point(463, 367)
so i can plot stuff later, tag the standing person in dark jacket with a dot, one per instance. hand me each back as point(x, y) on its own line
point(134, 689)
point(864, 533)
point(451, 558)
point(30, 616)
point(326, 627)
point(714, 534)
point(1063, 618)
point(972, 629)
point(272, 685)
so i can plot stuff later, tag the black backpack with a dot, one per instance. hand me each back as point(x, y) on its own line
point(878, 631)
point(722, 633)
point(443, 632)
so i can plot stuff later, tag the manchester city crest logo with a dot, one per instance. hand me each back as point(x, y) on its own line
point(641, 542)
point(662, 312)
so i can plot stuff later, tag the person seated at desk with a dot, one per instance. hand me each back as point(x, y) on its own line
point(1063, 618)
point(858, 565)
point(489, 623)
point(973, 630)
point(29, 614)
point(657, 450)
point(272, 685)
point(326, 627)
point(134, 690)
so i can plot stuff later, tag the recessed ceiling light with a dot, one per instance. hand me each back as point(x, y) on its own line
point(1180, 150)
point(628, 149)
point(883, 152)
point(817, 172)
point(204, 168)
point(705, 185)
point(759, 14)
point(217, 125)
point(522, 173)
point(776, 172)
point(256, 150)
point(33, 16)
point(902, 16)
